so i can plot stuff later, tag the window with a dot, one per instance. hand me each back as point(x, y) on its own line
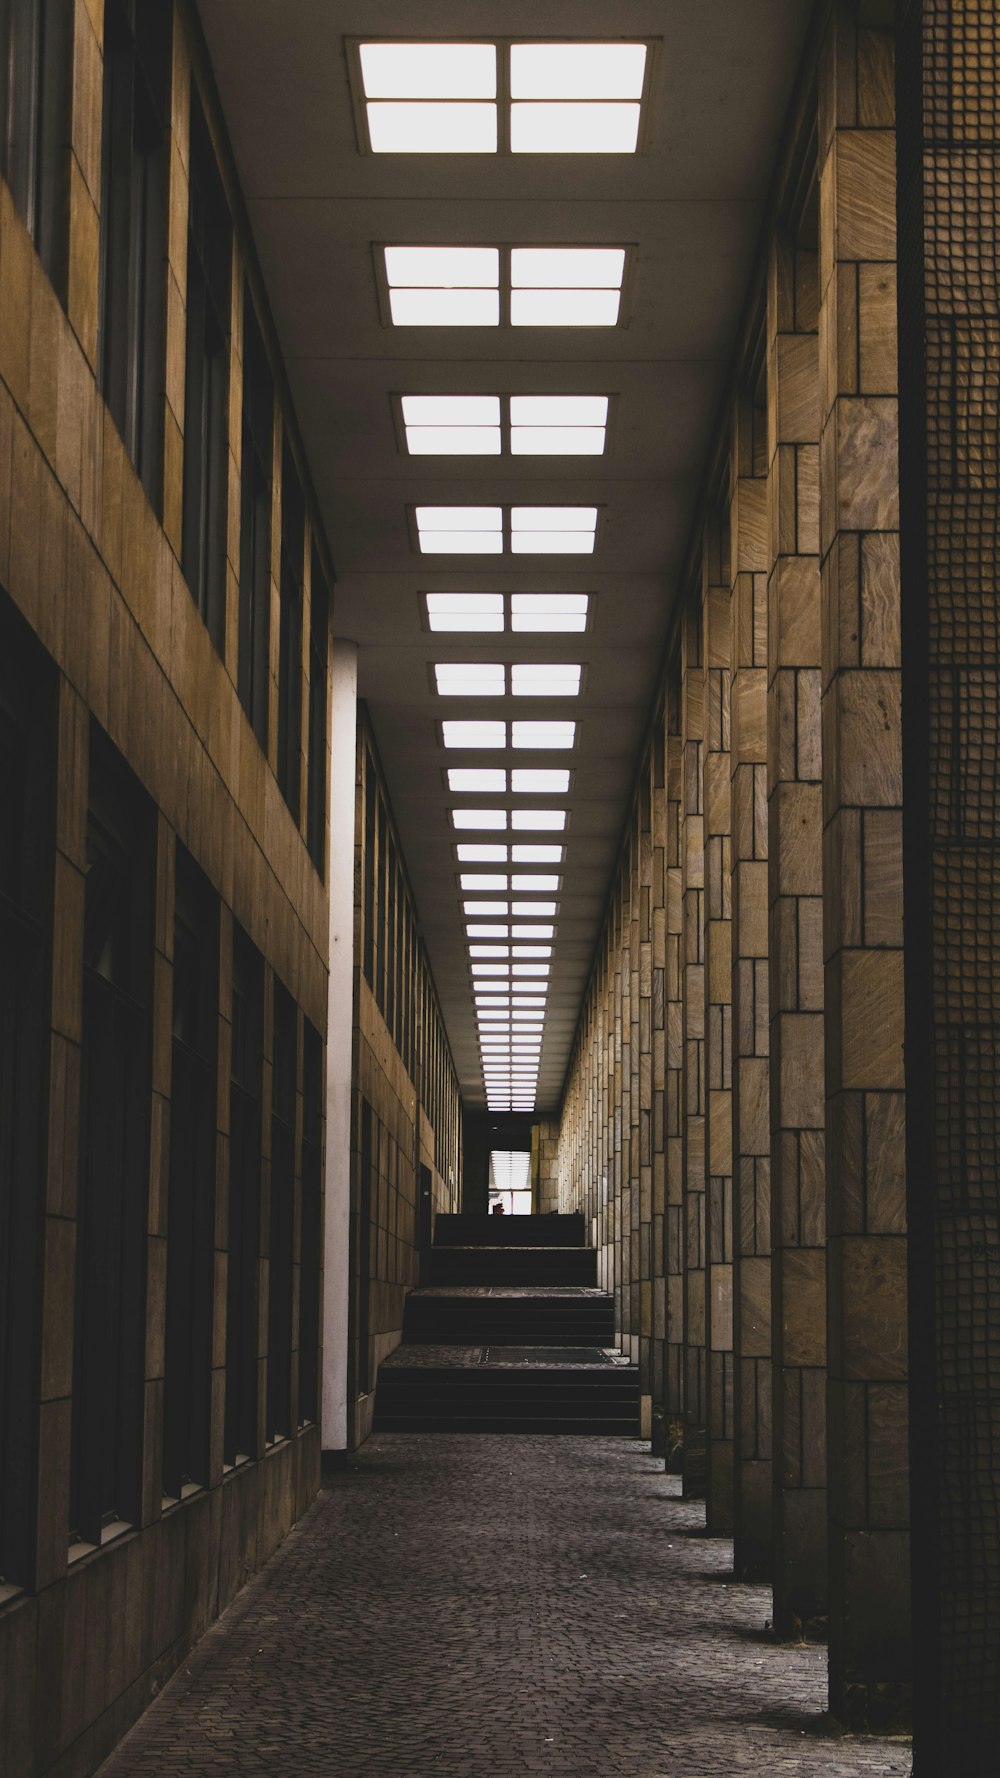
point(522, 98)
point(206, 386)
point(26, 851)
point(36, 38)
point(191, 1200)
point(290, 593)
point(282, 1218)
point(255, 524)
point(245, 1123)
point(523, 530)
point(319, 643)
point(137, 63)
point(479, 613)
point(519, 425)
point(109, 1342)
point(521, 286)
point(311, 1222)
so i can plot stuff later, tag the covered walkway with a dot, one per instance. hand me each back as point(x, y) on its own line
point(488, 1607)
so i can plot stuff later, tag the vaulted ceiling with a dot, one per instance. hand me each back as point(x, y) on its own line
point(688, 207)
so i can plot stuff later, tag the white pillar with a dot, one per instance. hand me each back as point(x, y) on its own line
point(340, 1033)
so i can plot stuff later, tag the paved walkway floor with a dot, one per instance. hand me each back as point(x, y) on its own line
point(498, 1607)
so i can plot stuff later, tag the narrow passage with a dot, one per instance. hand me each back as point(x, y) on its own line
point(488, 1607)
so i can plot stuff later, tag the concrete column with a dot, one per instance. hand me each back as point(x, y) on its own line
point(795, 859)
point(751, 1123)
point(718, 1040)
point(862, 793)
point(340, 1029)
point(642, 1113)
point(657, 1096)
point(673, 1382)
point(693, 1015)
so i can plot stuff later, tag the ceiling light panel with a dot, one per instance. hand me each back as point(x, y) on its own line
point(482, 880)
point(529, 909)
point(553, 530)
point(566, 286)
point(576, 97)
point(494, 820)
point(529, 854)
point(460, 530)
point(443, 286)
point(484, 909)
point(478, 779)
point(426, 127)
point(539, 820)
point(472, 679)
point(473, 734)
point(524, 881)
point(549, 612)
point(468, 612)
point(543, 735)
point(531, 931)
point(536, 780)
point(452, 425)
point(544, 679)
point(469, 853)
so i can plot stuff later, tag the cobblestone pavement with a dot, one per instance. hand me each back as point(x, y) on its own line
point(494, 1607)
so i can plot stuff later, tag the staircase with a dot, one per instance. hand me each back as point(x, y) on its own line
point(510, 1334)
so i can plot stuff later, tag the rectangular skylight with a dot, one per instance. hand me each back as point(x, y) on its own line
point(544, 679)
point(532, 931)
point(549, 611)
point(567, 128)
point(540, 969)
point(465, 611)
point(443, 286)
point(472, 679)
point(523, 881)
point(481, 854)
point(539, 820)
point(475, 734)
point(566, 286)
point(537, 854)
point(529, 908)
point(528, 1001)
point(483, 909)
point(529, 780)
point(552, 530)
point(484, 780)
point(485, 929)
point(528, 988)
point(494, 820)
point(485, 969)
point(535, 952)
point(460, 530)
point(542, 735)
point(436, 70)
point(424, 127)
point(472, 880)
point(489, 950)
point(558, 425)
point(452, 425)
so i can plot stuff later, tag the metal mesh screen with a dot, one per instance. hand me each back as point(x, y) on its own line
point(950, 184)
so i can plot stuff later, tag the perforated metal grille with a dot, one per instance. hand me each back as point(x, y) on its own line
point(953, 257)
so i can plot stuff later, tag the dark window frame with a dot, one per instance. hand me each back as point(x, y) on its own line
point(310, 1223)
point(113, 1187)
point(27, 850)
point(190, 1281)
point(291, 596)
point(319, 666)
point(206, 381)
point(281, 1216)
point(241, 1438)
point(256, 483)
point(138, 59)
point(36, 54)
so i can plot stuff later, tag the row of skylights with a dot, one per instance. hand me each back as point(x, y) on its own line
point(548, 613)
point(525, 930)
point(527, 425)
point(523, 530)
point(541, 286)
point(541, 736)
point(476, 98)
point(524, 780)
point(489, 679)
